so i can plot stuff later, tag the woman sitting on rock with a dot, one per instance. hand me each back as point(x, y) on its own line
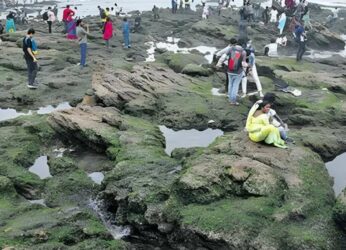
point(259, 128)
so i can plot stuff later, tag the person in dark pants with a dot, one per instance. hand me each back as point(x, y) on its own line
point(30, 59)
point(300, 37)
point(301, 50)
point(51, 19)
point(156, 13)
point(265, 15)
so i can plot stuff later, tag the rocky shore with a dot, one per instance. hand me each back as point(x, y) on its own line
point(233, 194)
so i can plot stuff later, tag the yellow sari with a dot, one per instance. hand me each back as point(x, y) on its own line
point(260, 129)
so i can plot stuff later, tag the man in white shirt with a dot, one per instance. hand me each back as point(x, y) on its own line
point(271, 49)
point(51, 19)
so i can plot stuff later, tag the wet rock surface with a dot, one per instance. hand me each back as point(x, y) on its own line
point(234, 194)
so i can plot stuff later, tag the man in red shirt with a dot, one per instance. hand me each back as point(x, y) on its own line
point(67, 12)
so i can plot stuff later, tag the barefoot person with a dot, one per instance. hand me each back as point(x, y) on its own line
point(30, 59)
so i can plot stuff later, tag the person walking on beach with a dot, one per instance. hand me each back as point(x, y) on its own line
point(30, 59)
point(51, 19)
point(65, 16)
point(82, 34)
point(108, 31)
point(126, 33)
point(236, 64)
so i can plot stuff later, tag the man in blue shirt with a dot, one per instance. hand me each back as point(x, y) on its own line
point(30, 59)
point(126, 33)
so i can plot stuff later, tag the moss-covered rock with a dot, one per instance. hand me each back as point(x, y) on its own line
point(179, 61)
point(339, 211)
point(196, 70)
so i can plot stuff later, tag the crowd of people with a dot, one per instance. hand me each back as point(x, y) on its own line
point(237, 60)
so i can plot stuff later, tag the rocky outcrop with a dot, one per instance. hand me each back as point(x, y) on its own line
point(339, 212)
point(234, 194)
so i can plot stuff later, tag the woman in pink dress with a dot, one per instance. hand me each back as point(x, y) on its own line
point(108, 31)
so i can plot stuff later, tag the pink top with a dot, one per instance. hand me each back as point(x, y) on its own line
point(108, 31)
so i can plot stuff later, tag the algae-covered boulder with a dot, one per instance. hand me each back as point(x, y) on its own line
point(61, 165)
point(196, 70)
point(6, 186)
point(179, 61)
point(339, 211)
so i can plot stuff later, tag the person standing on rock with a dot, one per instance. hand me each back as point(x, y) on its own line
point(108, 31)
point(65, 16)
point(300, 37)
point(282, 23)
point(252, 70)
point(51, 19)
point(10, 25)
point(126, 33)
point(236, 63)
point(265, 15)
point(174, 6)
point(156, 13)
point(82, 34)
point(71, 28)
point(30, 59)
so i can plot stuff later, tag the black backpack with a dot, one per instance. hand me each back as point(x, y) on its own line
point(45, 16)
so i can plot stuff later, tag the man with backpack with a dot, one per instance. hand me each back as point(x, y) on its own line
point(49, 17)
point(66, 14)
point(30, 58)
point(236, 63)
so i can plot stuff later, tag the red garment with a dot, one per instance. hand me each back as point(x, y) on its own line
point(67, 12)
point(108, 31)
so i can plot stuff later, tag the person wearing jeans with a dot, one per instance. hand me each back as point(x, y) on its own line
point(233, 86)
point(82, 34)
point(30, 59)
point(234, 76)
point(126, 33)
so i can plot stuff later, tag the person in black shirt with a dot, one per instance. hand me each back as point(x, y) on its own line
point(30, 59)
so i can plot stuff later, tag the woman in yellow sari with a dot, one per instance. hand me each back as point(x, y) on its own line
point(259, 128)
